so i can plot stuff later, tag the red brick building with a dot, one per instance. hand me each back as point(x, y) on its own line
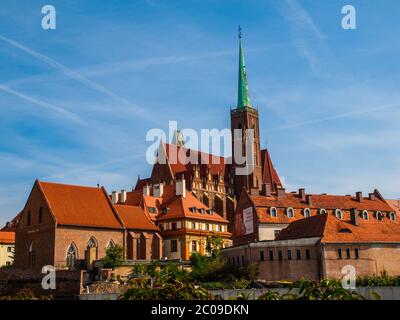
point(319, 247)
point(260, 215)
point(66, 225)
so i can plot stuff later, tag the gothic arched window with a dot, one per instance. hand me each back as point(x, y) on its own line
point(111, 244)
point(92, 243)
point(32, 254)
point(72, 256)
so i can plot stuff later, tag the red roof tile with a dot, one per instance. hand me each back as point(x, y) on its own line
point(269, 173)
point(319, 201)
point(7, 237)
point(135, 218)
point(80, 205)
point(333, 230)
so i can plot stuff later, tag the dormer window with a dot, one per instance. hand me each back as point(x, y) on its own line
point(273, 212)
point(164, 210)
point(365, 215)
point(322, 211)
point(345, 230)
point(152, 210)
point(193, 209)
point(210, 211)
point(290, 212)
point(338, 214)
point(201, 210)
point(306, 212)
point(392, 216)
point(379, 215)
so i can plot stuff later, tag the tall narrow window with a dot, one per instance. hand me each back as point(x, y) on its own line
point(289, 254)
point(174, 245)
point(356, 253)
point(308, 256)
point(194, 246)
point(40, 214)
point(28, 221)
point(280, 256)
point(243, 261)
point(339, 253)
point(271, 255)
point(262, 258)
point(348, 253)
point(298, 254)
point(32, 254)
point(72, 256)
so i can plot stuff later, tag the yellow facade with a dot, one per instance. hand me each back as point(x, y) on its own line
point(5, 254)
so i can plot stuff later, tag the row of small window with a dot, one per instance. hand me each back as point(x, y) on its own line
point(299, 255)
point(192, 225)
point(201, 210)
point(290, 212)
point(348, 253)
point(174, 246)
point(29, 217)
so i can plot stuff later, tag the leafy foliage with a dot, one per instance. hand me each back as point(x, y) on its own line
point(309, 290)
point(383, 280)
point(114, 256)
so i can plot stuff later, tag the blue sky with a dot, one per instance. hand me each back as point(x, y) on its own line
point(76, 102)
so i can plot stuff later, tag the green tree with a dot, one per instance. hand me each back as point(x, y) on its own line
point(114, 256)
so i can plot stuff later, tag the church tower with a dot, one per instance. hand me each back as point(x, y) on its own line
point(245, 117)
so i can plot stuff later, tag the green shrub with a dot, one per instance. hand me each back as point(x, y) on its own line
point(114, 256)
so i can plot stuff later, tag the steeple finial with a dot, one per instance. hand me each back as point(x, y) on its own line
point(243, 90)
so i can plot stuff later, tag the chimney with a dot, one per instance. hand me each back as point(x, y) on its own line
point(114, 197)
point(309, 199)
point(266, 189)
point(359, 196)
point(122, 198)
point(372, 196)
point(302, 194)
point(180, 188)
point(146, 190)
point(354, 217)
point(158, 190)
point(280, 191)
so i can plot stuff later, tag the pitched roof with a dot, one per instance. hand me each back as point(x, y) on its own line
point(216, 164)
point(135, 218)
point(178, 207)
point(333, 230)
point(269, 173)
point(79, 205)
point(12, 225)
point(7, 237)
point(395, 205)
point(319, 201)
point(140, 183)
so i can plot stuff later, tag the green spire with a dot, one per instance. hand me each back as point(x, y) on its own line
point(243, 90)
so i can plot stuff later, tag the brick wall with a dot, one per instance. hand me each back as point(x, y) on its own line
point(373, 259)
point(13, 280)
point(42, 234)
point(80, 236)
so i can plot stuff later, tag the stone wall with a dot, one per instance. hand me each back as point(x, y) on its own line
point(68, 282)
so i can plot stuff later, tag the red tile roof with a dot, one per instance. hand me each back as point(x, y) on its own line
point(7, 237)
point(319, 201)
point(179, 207)
point(395, 205)
point(80, 205)
point(135, 218)
point(12, 225)
point(141, 183)
point(215, 164)
point(333, 230)
point(269, 173)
